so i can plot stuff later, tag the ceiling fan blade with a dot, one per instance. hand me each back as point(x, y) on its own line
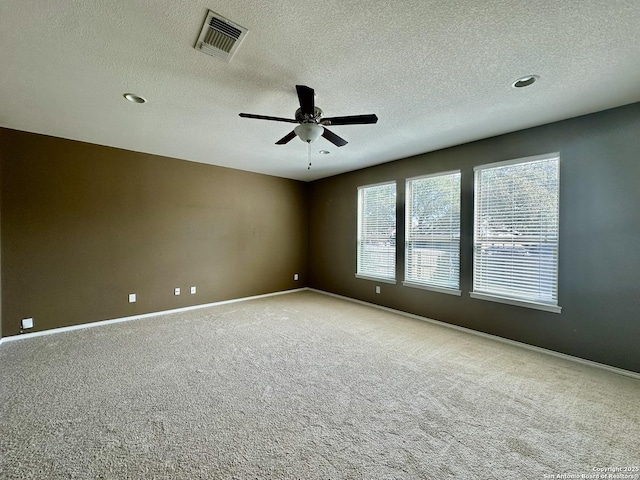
point(333, 138)
point(264, 117)
point(287, 138)
point(307, 101)
point(350, 120)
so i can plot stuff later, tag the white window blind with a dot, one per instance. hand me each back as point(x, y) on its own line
point(432, 245)
point(516, 230)
point(377, 231)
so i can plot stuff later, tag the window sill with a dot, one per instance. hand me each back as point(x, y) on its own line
point(376, 279)
point(449, 291)
point(518, 303)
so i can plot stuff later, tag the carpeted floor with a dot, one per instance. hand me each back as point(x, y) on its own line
point(303, 386)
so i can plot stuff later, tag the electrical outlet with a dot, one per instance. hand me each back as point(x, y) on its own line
point(176, 291)
point(377, 288)
point(132, 298)
point(27, 323)
point(295, 277)
point(193, 290)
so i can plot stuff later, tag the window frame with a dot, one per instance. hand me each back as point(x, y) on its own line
point(549, 306)
point(367, 275)
point(413, 283)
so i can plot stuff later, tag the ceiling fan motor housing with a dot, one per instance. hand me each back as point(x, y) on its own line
point(306, 118)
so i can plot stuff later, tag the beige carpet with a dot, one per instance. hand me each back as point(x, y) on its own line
point(303, 386)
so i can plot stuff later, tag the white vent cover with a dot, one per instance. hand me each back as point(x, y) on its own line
point(220, 37)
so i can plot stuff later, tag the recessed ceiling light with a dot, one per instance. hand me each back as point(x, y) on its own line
point(324, 152)
point(525, 81)
point(132, 97)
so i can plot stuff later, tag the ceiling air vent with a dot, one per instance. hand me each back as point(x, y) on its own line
point(220, 37)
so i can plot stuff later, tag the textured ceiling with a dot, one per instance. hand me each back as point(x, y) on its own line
point(437, 73)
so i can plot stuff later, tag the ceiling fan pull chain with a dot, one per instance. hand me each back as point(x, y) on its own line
point(309, 154)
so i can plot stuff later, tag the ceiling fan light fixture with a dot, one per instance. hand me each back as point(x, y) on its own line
point(308, 132)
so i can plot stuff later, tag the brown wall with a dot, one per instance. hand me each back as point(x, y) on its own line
point(1, 154)
point(85, 225)
point(82, 226)
point(599, 270)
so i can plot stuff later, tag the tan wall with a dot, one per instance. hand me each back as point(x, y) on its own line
point(85, 225)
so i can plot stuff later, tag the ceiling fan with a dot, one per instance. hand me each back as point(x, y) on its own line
point(312, 124)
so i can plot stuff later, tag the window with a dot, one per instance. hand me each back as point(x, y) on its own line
point(515, 256)
point(432, 246)
point(377, 232)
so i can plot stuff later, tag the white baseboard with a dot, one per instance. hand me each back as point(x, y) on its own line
point(52, 331)
point(582, 361)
